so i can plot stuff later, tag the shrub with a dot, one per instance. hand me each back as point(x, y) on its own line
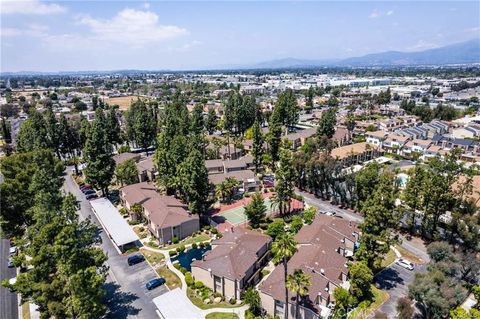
point(201, 245)
point(206, 227)
point(174, 240)
point(217, 294)
point(199, 285)
point(232, 301)
point(152, 244)
point(123, 211)
point(141, 229)
point(214, 231)
point(194, 246)
point(181, 248)
point(183, 270)
point(189, 279)
point(172, 253)
point(177, 266)
point(134, 222)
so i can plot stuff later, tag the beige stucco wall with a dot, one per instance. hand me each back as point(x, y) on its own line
point(203, 275)
point(229, 288)
point(267, 303)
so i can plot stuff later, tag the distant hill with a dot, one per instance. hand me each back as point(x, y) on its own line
point(459, 53)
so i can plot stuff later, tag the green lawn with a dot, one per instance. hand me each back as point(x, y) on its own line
point(387, 260)
point(408, 255)
point(153, 258)
point(363, 311)
point(190, 240)
point(221, 315)
point(197, 301)
point(172, 279)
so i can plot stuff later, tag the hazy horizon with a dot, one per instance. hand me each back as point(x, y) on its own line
point(58, 36)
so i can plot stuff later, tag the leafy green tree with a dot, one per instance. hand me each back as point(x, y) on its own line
point(195, 186)
point(286, 108)
point(413, 194)
point(136, 210)
point(226, 189)
point(327, 123)
point(309, 97)
point(257, 147)
point(256, 210)
point(127, 172)
point(365, 182)
point(83, 131)
point(405, 308)
point(343, 299)
point(211, 122)
point(6, 131)
point(33, 133)
point(98, 154)
point(274, 139)
point(252, 298)
point(51, 126)
point(296, 224)
point(298, 283)
point(276, 228)
point(350, 123)
point(141, 126)
point(309, 215)
point(381, 218)
point(283, 249)
point(361, 278)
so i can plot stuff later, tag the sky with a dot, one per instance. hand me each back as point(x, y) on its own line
point(39, 35)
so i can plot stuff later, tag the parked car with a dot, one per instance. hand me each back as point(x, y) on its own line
point(405, 264)
point(84, 188)
point(10, 263)
point(12, 251)
point(268, 183)
point(154, 283)
point(135, 259)
point(91, 196)
point(330, 213)
point(89, 191)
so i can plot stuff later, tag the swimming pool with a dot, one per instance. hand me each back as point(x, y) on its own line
point(185, 259)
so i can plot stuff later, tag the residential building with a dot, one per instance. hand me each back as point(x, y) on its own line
point(376, 138)
point(166, 216)
point(234, 263)
point(323, 250)
point(394, 143)
point(146, 170)
point(356, 153)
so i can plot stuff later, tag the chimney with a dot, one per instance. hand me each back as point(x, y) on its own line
point(231, 228)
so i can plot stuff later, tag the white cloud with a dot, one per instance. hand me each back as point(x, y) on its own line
point(31, 7)
point(131, 27)
point(32, 30)
point(390, 12)
point(375, 14)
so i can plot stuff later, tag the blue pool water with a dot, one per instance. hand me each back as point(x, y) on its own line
point(185, 259)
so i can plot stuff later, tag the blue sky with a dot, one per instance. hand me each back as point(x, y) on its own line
point(41, 35)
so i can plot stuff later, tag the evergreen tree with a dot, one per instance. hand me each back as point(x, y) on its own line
point(327, 123)
point(211, 122)
point(274, 139)
point(195, 186)
point(53, 139)
point(197, 121)
point(256, 210)
point(286, 108)
point(284, 183)
point(113, 128)
point(257, 147)
point(98, 154)
point(6, 131)
point(33, 133)
point(381, 218)
point(141, 126)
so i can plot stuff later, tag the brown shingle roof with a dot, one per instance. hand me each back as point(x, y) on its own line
point(122, 157)
point(345, 151)
point(234, 253)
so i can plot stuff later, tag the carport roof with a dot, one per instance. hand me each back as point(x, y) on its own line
point(113, 223)
point(175, 305)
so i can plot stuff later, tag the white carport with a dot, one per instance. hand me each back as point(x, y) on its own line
point(175, 305)
point(113, 223)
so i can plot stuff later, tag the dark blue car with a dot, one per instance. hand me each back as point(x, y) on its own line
point(135, 259)
point(154, 283)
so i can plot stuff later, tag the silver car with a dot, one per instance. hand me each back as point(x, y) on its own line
point(405, 264)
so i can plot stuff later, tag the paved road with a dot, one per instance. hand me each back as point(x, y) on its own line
point(127, 296)
point(8, 300)
point(395, 281)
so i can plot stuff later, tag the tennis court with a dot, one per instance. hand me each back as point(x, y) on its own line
point(236, 216)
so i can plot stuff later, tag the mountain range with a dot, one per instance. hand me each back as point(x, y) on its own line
point(467, 52)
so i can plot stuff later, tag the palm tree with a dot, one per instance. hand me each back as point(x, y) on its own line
point(283, 249)
point(298, 283)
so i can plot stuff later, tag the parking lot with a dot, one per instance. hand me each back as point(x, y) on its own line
point(395, 280)
point(127, 296)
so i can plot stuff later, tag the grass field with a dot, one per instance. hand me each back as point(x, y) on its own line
point(153, 258)
point(197, 301)
point(221, 315)
point(190, 240)
point(408, 255)
point(172, 279)
point(123, 102)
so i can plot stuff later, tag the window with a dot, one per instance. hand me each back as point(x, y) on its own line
point(218, 284)
point(279, 309)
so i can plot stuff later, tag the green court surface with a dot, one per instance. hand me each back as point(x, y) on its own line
point(237, 215)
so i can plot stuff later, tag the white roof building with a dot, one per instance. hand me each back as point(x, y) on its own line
point(175, 305)
point(117, 228)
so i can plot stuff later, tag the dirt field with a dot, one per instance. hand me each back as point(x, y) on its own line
point(123, 101)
